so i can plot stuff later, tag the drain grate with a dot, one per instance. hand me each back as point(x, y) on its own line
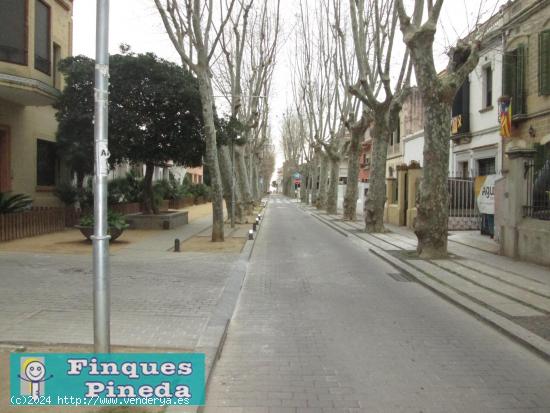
point(401, 277)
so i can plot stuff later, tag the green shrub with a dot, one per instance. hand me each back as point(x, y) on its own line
point(126, 189)
point(86, 194)
point(198, 190)
point(67, 193)
point(14, 203)
point(133, 187)
point(114, 220)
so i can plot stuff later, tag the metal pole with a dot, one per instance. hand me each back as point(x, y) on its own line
point(232, 183)
point(102, 295)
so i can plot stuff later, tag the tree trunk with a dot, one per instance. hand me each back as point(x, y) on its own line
point(224, 157)
point(350, 199)
point(433, 197)
point(332, 196)
point(149, 206)
point(254, 178)
point(243, 181)
point(314, 179)
point(205, 89)
point(323, 177)
point(376, 197)
point(304, 196)
point(80, 179)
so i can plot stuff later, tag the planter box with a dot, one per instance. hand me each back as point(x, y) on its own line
point(164, 220)
point(89, 231)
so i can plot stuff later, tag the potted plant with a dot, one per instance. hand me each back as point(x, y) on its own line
point(115, 222)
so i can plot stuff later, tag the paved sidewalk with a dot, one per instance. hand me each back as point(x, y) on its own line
point(160, 299)
point(511, 295)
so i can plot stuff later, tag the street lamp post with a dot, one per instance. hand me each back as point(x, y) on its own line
point(102, 295)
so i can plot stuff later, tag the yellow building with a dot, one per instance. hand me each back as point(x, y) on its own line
point(35, 36)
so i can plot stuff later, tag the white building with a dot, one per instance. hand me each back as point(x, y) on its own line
point(476, 148)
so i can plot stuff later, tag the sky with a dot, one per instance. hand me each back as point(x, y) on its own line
point(137, 23)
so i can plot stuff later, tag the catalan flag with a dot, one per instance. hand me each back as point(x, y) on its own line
point(505, 117)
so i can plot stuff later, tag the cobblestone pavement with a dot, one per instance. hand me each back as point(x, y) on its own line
point(323, 325)
point(159, 298)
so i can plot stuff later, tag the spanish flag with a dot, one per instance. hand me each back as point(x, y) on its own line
point(505, 117)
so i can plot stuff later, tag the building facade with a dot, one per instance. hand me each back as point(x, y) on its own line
point(35, 36)
point(476, 144)
point(522, 196)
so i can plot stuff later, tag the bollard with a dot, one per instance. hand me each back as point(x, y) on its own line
point(254, 226)
point(250, 234)
point(259, 217)
point(257, 221)
point(177, 245)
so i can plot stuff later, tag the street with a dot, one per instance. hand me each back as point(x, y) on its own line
point(323, 325)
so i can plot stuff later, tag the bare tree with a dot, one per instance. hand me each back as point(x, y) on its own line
point(229, 82)
point(312, 92)
point(319, 83)
point(258, 67)
point(191, 26)
point(357, 130)
point(292, 142)
point(438, 91)
point(374, 28)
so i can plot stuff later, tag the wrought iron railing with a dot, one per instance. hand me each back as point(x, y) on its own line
point(462, 199)
point(538, 190)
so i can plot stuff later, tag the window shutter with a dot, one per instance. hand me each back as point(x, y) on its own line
point(544, 63)
point(508, 69)
point(518, 104)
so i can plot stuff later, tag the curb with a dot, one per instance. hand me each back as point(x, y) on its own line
point(212, 341)
point(520, 335)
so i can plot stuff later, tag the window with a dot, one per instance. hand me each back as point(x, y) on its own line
point(13, 35)
point(42, 60)
point(486, 167)
point(56, 60)
point(461, 110)
point(398, 133)
point(5, 163)
point(513, 79)
point(463, 169)
point(46, 163)
point(488, 87)
point(544, 63)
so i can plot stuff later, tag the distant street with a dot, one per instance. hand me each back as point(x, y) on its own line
point(322, 326)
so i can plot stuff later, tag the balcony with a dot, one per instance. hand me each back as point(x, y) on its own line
point(460, 129)
point(25, 91)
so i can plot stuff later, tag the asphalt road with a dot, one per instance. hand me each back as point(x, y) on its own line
point(323, 326)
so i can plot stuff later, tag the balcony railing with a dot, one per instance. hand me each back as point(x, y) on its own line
point(460, 125)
